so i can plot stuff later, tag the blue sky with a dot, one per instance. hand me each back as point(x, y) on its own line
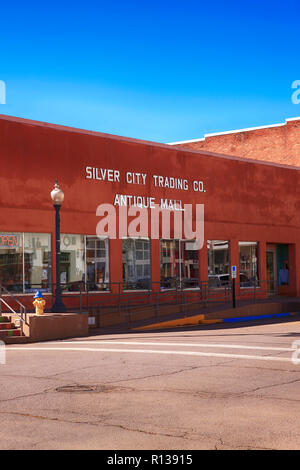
point(155, 70)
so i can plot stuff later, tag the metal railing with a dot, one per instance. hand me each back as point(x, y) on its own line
point(120, 294)
point(205, 297)
point(22, 314)
point(120, 297)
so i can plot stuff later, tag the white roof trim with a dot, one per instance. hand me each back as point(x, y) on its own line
point(186, 141)
point(236, 131)
point(248, 129)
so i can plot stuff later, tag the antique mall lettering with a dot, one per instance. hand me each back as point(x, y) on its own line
point(135, 178)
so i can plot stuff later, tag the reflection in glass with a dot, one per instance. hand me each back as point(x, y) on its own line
point(189, 262)
point(72, 261)
point(179, 263)
point(218, 263)
point(97, 263)
point(136, 263)
point(37, 261)
point(248, 263)
point(84, 260)
point(11, 261)
point(169, 263)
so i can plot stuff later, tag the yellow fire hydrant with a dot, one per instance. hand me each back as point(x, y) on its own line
point(39, 303)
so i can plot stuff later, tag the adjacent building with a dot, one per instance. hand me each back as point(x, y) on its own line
point(277, 143)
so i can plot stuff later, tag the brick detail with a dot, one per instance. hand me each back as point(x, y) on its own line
point(273, 144)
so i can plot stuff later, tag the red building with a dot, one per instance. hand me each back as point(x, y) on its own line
point(251, 214)
point(278, 143)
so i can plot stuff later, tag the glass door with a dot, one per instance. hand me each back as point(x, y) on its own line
point(271, 276)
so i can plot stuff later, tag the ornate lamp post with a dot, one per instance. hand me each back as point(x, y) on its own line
point(57, 197)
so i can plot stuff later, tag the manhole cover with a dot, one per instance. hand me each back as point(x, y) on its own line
point(82, 388)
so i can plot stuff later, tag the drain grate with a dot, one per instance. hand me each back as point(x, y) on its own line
point(83, 388)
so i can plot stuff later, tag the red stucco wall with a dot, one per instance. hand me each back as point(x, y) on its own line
point(244, 200)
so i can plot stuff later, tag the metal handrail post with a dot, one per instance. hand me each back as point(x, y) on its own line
point(98, 316)
point(87, 295)
point(80, 299)
point(21, 325)
point(128, 316)
point(233, 294)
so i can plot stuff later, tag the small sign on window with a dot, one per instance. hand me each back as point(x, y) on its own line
point(9, 241)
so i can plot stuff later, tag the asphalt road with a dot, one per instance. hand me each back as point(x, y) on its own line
point(209, 388)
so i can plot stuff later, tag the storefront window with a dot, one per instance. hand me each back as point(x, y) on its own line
point(97, 263)
point(37, 261)
point(136, 263)
point(189, 261)
point(84, 262)
point(179, 263)
point(11, 261)
point(25, 261)
point(169, 263)
point(72, 261)
point(248, 263)
point(218, 262)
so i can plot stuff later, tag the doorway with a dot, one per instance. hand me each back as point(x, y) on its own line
point(271, 272)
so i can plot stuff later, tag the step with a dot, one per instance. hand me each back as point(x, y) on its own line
point(14, 339)
point(7, 326)
point(4, 319)
point(11, 332)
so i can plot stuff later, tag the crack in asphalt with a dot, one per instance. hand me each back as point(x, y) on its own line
point(244, 447)
point(48, 418)
point(47, 377)
point(186, 435)
point(271, 386)
point(4, 400)
point(198, 393)
point(101, 422)
point(164, 374)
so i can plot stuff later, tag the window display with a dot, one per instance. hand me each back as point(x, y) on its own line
point(72, 261)
point(179, 263)
point(25, 261)
point(37, 261)
point(189, 262)
point(11, 261)
point(136, 263)
point(218, 262)
point(97, 263)
point(84, 262)
point(248, 263)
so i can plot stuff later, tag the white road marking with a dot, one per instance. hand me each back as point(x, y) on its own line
point(152, 351)
point(196, 345)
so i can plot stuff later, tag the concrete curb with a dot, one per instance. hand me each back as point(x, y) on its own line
point(201, 320)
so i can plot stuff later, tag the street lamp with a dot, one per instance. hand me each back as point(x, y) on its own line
point(57, 197)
